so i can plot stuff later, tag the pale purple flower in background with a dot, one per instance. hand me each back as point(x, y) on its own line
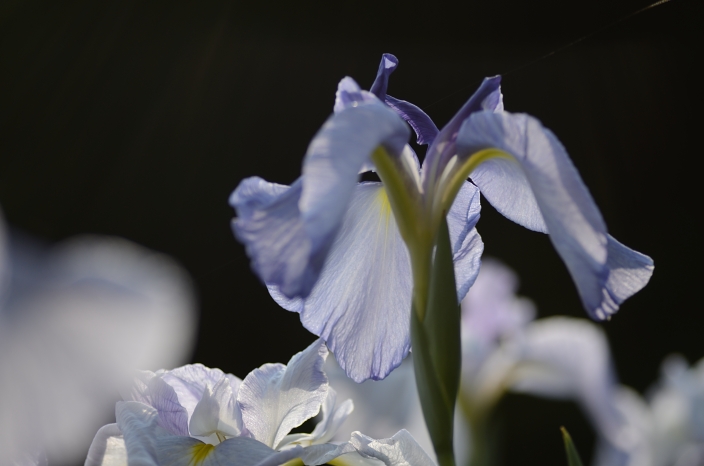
point(666, 428)
point(76, 320)
point(200, 416)
point(331, 249)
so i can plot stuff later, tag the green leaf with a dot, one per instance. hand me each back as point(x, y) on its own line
point(437, 349)
point(572, 455)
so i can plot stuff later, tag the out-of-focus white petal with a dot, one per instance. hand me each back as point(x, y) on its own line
point(80, 320)
point(108, 448)
point(563, 357)
point(362, 302)
point(399, 450)
point(276, 398)
point(490, 311)
point(636, 444)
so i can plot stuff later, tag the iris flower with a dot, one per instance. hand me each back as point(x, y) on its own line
point(197, 416)
point(75, 321)
point(332, 249)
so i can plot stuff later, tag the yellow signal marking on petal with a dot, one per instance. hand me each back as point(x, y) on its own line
point(385, 204)
point(200, 452)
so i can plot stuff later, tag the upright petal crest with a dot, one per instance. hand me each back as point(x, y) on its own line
point(276, 398)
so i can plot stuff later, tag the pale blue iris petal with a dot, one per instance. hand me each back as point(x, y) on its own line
point(467, 245)
point(362, 302)
point(270, 225)
point(276, 398)
point(504, 184)
point(569, 358)
point(399, 450)
point(629, 272)
point(333, 160)
point(572, 219)
point(349, 94)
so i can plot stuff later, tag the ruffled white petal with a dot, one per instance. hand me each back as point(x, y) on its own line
point(217, 412)
point(276, 398)
point(189, 383)
point(399, 450)
point(147, 444)
point(361, 304)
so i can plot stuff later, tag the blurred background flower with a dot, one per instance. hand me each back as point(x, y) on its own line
point(76, 321)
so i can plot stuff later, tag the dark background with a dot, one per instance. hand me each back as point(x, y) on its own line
point(138, 119)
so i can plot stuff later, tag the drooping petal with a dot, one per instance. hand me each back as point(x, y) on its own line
point(504, 184)
point(443, 148)
point(81, 319)
point(333, 160)
point(467, 245)
point(276, 398)
point(570, 215)
point(108, 448)
point(629, 272)
point(361, 304)
point(270, 225)
point(569, 358)
point(399, 450)
point(421, 123)
point(288, 231)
